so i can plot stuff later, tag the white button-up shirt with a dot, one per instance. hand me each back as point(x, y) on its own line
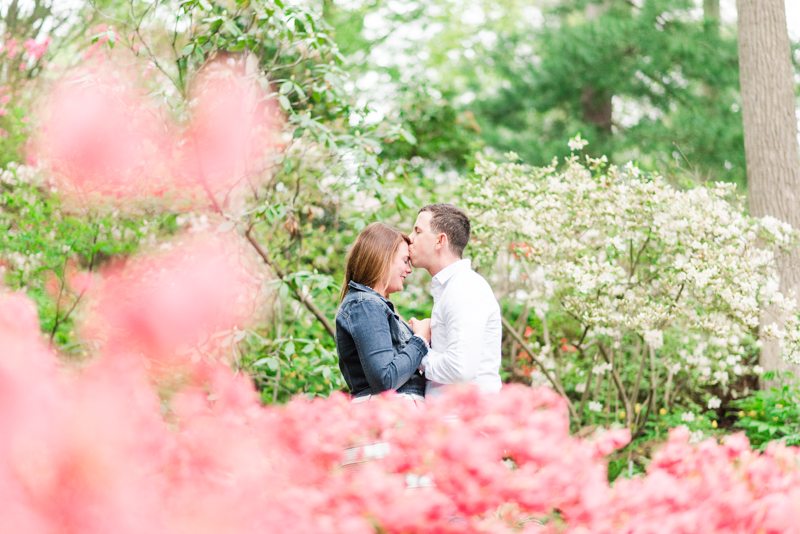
point(466, 331)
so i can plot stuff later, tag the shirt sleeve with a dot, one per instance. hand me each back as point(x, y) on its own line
point(465, 317)
point(384, 366)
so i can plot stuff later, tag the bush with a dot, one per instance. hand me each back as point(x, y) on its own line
point(770, 415)
point(623, 289)
point(98, 450)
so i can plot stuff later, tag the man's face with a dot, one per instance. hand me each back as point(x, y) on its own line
point(423, 241)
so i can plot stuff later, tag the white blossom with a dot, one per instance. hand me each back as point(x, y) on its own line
point(654, 338)
point(687, 417)
point(623, 251)
point(576, 143)
point(595, 406)
point(714, 403)
point(602, 368)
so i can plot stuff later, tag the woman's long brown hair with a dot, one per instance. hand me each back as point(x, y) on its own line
point(370, 258)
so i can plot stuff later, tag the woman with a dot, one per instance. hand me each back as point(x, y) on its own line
point(377, 350)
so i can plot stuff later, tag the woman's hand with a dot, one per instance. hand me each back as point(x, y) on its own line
point(421, 327)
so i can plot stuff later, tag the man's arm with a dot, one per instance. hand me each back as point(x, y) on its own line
point(465, 318)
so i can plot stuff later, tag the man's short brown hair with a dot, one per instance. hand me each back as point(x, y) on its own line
point(452, 221)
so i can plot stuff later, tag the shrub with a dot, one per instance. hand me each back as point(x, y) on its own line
point(97, 450)
point(770, 415)
point(655, 290)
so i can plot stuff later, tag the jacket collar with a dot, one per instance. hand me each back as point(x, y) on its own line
point(365, 289)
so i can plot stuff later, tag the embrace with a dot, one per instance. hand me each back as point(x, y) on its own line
point(460, 343)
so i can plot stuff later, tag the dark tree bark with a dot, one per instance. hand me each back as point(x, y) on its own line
point(770, 133)
point(597, 107)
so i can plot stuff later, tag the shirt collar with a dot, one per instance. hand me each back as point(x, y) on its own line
point(447, 273)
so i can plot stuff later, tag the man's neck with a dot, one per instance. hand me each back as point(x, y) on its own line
point(442, 264)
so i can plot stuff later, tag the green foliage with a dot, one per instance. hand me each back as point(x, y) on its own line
point(332, 173)
point(512, 78)
point(770, 415)
point(284, 367)
point(639, 83)
point(656, 83)
point(633, 459)
point(14, 132)
point(46, 239)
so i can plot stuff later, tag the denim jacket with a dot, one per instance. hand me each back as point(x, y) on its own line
point(376, 349)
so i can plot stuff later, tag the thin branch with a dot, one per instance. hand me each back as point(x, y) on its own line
point(639, 255)
point(74, 304)
point(640, 428)
point(527, 348)
point(297, 291)
point(625, 400)
point(58, 305)
point(583, 336)
point(587, 386)
point(635, 393)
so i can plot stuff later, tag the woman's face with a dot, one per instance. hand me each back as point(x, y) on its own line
point(399, 269)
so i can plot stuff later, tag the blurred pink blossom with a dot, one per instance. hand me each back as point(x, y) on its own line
point(90, 451)
point(103, 137)
point(36, 50)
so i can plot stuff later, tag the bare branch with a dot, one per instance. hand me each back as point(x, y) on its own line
point(297, 291)
point(527, 348)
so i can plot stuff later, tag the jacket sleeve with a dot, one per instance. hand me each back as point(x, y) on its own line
point(384, 366)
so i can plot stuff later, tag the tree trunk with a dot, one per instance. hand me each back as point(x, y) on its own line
point(770, 134)
point(597, 107)
point(596, 102)
point(711, 16)
point(711, 10)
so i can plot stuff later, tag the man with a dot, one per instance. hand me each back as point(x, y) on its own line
point(465, 324)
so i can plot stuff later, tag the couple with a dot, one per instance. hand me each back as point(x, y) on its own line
point(460, 343)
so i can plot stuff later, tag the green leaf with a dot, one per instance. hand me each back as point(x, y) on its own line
point(408, 136)
point(407, 202)
point(272, 363)
point(285, 104)
point(233, 28)
point(289, 349)
point(286, 87)
point(188, 49)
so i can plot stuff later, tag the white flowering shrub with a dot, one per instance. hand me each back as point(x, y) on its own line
point(662, 287)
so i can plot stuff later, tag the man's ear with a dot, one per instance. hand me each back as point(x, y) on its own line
point(441, 243)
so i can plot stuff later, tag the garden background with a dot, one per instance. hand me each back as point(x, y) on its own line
point(630, 167)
